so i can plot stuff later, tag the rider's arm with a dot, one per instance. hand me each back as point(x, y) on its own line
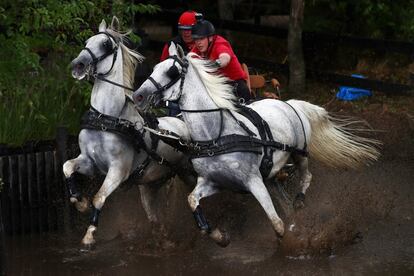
point(223, 60)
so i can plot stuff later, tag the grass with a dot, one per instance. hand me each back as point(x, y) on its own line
point(32, 109)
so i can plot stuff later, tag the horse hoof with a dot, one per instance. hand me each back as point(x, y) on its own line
point(83, 205)
point(222, 238)
point(299, 202)
point(87, 247)
point(280, 229)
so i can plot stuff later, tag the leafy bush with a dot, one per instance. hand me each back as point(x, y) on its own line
point(38, 40)
point(382, 19)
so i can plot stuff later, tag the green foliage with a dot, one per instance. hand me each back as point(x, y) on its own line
point(384, 19)
point(38, 40)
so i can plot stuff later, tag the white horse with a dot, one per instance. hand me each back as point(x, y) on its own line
point(227, 153)
point(104, 145)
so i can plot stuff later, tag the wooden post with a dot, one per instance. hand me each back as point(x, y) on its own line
point(2, 246)
point(40, 185)
point(31, 193)
point(5, 195)
point(14, 195)
point(50, 200)
point(62, 138)
point(23, 193)
point(2, 229)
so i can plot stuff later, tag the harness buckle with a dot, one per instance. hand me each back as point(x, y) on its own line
point(210, 153)
point(182, 142)
point(196, 146)
point(103, 128)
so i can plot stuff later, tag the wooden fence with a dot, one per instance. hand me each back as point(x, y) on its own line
point(33, 192)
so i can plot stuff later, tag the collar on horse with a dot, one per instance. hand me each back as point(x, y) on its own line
point(93, 119)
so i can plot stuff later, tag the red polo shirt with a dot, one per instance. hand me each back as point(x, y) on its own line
point(233, 70)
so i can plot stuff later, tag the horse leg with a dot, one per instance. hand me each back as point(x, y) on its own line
point(259, 191)
point(305, 179)
point(203, 189)
point(71, 167)
point(149, 203)
point(148, 200)
point(113, 179)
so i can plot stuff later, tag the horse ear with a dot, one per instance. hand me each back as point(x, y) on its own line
point(172, 50)
point(115, 23)
point(180, 52)
point(102, 26)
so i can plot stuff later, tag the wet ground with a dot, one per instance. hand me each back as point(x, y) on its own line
point(354, 223)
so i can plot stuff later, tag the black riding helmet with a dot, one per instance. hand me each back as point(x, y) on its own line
point(202, 28)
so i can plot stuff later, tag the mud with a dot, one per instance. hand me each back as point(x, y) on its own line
point(354, 222)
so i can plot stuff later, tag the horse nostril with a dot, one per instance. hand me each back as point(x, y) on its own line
point(79, 66)
point(139, 98)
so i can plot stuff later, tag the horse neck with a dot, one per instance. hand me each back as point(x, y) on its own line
point(203, 125)
point(108, 98)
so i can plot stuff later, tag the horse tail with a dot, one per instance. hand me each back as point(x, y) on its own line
point(334, 140)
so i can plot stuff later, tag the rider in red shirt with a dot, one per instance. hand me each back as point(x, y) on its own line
point(215, 48)
point(184, 39)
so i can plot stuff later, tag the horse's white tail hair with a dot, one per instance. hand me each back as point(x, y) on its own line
point(334, 140)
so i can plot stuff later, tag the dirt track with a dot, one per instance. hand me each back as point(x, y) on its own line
point(354, 222)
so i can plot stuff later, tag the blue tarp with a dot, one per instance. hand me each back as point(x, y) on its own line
point(347, 93)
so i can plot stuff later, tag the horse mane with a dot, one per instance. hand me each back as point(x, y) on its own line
point(217, 85)
point(130, 59)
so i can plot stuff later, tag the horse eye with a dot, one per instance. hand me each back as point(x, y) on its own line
point(107, 45)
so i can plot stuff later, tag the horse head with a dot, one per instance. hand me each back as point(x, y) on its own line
point(165, 82)
point(98, 54)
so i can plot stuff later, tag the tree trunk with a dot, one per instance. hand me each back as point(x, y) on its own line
point(297, 71)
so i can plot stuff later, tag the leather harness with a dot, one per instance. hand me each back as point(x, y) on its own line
point(228, 143)
point(93, 119)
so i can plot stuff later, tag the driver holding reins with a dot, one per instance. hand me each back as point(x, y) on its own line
point(214, 47)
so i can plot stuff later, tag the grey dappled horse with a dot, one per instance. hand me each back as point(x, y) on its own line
point(197, 86)
point(113, 65)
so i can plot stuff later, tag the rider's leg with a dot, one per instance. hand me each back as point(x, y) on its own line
point(242, 90)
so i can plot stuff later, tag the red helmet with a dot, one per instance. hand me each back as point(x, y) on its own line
point(187, 20)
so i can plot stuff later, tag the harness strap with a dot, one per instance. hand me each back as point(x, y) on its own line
point(265, 134)
point(237, 143)
point(305, 145)
point(101, 77)
point(93, 119)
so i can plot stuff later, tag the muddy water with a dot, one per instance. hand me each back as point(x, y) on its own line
point(354, 223)
point(57, 255)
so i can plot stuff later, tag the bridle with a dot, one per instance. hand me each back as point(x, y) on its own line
point(174, 74)
point(110, 49)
